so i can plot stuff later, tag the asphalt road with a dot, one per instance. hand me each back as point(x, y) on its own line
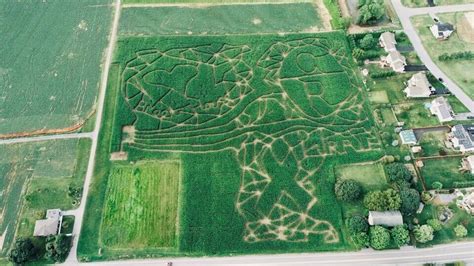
point(404, 14)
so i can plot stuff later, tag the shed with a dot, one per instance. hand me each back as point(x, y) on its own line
point(387, 218)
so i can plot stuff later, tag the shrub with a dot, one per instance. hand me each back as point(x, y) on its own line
point(398, 171)
point(379, 237)
point(57, 247)
point(426, 196)
point(467, 55)
point(382, 200)
point(368, 42)
point(400, 235)
point(23, 251)
point(357, 224)
point(460, 230)
point(361, 239)
point(461, 184)
point(435, 224)
point(423, 233)
point(347, 190)
point(410, 201)
point(382, 74)
point(437, 185)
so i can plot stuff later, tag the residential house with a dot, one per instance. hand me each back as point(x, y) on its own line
point(442, 109)
point(468, 163)
point(418, 86)
point(462, 137)
point(408, 137)
point(395, 60)
point(387, 41)
point(467, 202)
point(49, 226)
point(441, 30)
point(387, 218)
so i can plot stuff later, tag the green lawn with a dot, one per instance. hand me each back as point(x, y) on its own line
point(141, 208)
point(455, 69)
point(370, 175)
point(50, 65)
point(415, 115)
point(392, 86)
point(445, 171)
point(423, 3)
point(207, 1)
point(216, 20)
point(457, 106)
point(378, 97)
point(388, 116)
point(432, 144)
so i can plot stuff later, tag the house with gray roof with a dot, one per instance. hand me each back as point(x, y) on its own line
point(441, 108)
point(418, 86)
point(396, 61)
point(462, 137)
point(387, 218)
point(49, 226)
point(441, 30)
point(387, 41)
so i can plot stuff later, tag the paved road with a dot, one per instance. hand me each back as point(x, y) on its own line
point(404, 14)
point(72, 258)
point(47, 137)
point(407, 255)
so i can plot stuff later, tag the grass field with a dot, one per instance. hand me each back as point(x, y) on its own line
point(424, 3)
point(255, 154)
point(445, 171)
point(36, 177)
point(378, 97)
point(370, 175)
point(50, 66)
point(415, 114)
point(455, 69)
point(433, 142)
point(141, 208)
point(226, 19)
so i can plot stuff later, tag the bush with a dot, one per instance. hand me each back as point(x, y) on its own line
point(379, 237)
point(347, 190)
point(460, 230)
point(368, 42)
point(382, 74)
point(357, 224)
point(435, 224)
point(57, 247)
point(410, 201)
point(423, 233)
point(437, 185)
point(400, 235)
point(461, 184)
point(426, 196)
point(361, 239)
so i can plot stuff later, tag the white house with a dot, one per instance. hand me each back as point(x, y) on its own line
point(387, 41)
point(418, 86)
point(442, 109)
point(442, 31)
point(49, 226)
point(396, 61)
point(462, 137)
point(387, 218)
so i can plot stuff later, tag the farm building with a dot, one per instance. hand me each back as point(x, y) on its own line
point(395, 60)
point(442, 31)
point(442, 109)
point(462, 137)
point(408, 137)
point(387, 218)
point(387, 41)
point(418, 86)
point(468, 163)
point(49, 226)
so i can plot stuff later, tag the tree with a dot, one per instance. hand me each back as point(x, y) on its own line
point(23, 250)
point(397, 172)
point(347, 190)
point(400, 235)
point(374, 201)
point(357, 224)
point(423, 233)
point(437, 185)
point(368, 42)
point(460, 230)
point(410, 201)
point(379, 237)
point(361, 239)
point(370, 11)
point(57, 247)
point(392, 199)
point(435, 223)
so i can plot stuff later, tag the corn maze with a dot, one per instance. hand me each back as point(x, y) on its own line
point(282, 106)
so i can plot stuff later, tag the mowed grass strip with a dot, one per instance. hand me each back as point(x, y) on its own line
point(370, 176)
point(141, 206)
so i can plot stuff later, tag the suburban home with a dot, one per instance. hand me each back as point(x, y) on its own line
point(408, 137)
point(418, 86)
point(387, 218)
point(467, 202)
point(387, 41)
point(462, 137)
point(442, 31)
point(442, 109)
point(49, 226)
point(395, 60)
point(468, 163)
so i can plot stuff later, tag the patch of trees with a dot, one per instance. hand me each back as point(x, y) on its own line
point(370, 11)
point(467, 55)
point(387, 200)
point(53, 248)
point(347, 190)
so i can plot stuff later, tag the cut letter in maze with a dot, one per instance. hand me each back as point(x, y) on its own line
point(281, 108)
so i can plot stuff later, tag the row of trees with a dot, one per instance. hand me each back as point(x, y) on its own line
point(54, 248)
point(467, 55)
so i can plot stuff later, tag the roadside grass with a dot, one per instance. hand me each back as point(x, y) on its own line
point(455, 69)
point(222, 19)
point(457, 106)
point(141, 207)
point(370, 175)
point(67, 225)
point(445, 170)
point(424, 3)
point(415, 115)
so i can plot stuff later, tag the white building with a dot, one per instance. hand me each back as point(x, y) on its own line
point(387, 41)
point(442, 109)
point(442, 31)
point(49, 226)
point(387, 218)
point(462, 137)
point(408, 137)
point(396, 61)
point(418, 86)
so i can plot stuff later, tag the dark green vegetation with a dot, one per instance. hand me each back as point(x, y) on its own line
point(50, 67)
point(370, 11)
point(258, 124)
point(221, 19)
point(446, 171)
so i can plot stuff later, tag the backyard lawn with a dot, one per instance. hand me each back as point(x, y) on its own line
point(370, 175)
point(415, 114)
point(444, 170)
point(433, 144)
point(424, 3)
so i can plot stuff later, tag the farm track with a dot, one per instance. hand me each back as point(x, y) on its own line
point(204, 5)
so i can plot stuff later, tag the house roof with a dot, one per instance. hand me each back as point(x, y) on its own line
point(408, 136)
point(443, 26)
point(442, 107)
point(388, 218)
point(53, 214)
point(395, 56)
point(388, 39)
point(465, 135)
point(46, 227)
point(418, 86)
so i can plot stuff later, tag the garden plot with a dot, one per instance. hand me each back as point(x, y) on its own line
point(49, 63)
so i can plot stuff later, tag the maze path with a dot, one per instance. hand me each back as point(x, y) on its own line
point(281, 113)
